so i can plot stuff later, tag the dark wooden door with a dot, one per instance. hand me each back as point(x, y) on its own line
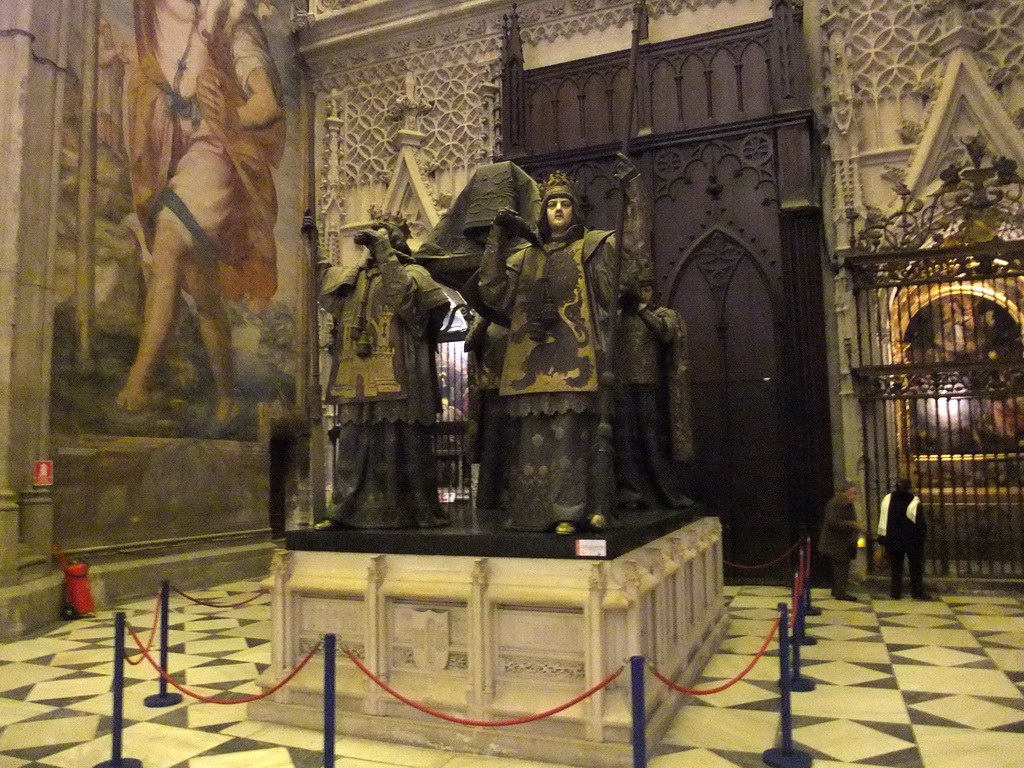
point(739, 469)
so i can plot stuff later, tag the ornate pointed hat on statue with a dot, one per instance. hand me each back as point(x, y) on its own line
point(389, 219)
point(559, 185)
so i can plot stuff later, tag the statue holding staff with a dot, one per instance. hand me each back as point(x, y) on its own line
point(388, 312)
point(557, 291)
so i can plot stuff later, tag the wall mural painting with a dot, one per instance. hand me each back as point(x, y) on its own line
point(194, 256)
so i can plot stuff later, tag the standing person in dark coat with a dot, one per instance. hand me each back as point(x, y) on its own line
point(838, 540)
point(901, 526)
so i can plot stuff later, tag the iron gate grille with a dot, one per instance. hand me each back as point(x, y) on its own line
point(939, 373)
point(453, 475)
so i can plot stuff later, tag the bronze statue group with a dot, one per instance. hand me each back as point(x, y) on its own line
point(548, 375)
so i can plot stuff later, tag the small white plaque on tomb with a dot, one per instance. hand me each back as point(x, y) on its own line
point(591, 548)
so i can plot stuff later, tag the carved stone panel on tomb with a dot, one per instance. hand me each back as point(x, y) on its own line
point(429, 637)
point(539, 642)
point(343, 616)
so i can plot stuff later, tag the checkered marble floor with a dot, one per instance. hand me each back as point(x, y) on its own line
point(937, 684)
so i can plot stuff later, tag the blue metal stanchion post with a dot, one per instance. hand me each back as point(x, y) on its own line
point(117, 716)
point(809, 609)
point(164, 698)
point(636, 668)
point(800, 636)
point(796, 682)
point(805, 639)
point(329, 693)
point(785, 756)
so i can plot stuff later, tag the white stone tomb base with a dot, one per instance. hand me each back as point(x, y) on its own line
point(497, 638)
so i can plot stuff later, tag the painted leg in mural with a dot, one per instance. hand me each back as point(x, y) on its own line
point(174, 268)
point(202, 281)
point(169, 249)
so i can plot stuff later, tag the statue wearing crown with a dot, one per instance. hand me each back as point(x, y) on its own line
point(388, 313)
point(554, 285)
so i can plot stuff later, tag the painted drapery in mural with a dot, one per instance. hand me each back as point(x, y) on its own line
point(191, 331)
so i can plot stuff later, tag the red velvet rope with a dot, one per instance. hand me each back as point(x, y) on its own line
point(765, 565)
point(730, 683)
point(490, 723)
point(197, 601)
point(278, 686)
point(152, 634)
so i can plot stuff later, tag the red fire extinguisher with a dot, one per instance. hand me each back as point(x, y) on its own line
point(77, 595)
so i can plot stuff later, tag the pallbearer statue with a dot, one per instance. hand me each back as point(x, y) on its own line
point(653, 429)
point(556, 291)
point(388, 312)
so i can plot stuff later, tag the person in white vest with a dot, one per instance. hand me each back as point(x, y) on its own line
point(902, 528)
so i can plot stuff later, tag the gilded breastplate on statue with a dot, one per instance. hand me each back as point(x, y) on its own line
point(551, 339)
point(368, 361)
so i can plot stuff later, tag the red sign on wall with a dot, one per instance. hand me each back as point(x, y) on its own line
point(43, 474)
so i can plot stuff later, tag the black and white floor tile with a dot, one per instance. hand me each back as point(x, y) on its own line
point(936, 684)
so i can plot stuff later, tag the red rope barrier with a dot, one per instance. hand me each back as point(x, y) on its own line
point(245, 700)
point(765, 565)
point(197, 601)
point(729, 684)
point(491, 723)
point(152, 634)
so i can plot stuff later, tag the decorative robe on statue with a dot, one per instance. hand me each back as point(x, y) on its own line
point(488, 431)
point(653, 426)
point(384, 380)
point(213, 181)
point(558, 298)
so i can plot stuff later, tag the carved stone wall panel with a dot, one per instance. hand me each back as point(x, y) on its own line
point(448, 100)
point(884, 66)
point(454, 121)
point(534, 632)
point(345, 616)
point(429, 637)
point(890, 49)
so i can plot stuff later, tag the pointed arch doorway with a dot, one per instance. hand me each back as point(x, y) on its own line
point(733, 317)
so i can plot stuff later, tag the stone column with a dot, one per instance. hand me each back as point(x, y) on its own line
point(33, 45)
